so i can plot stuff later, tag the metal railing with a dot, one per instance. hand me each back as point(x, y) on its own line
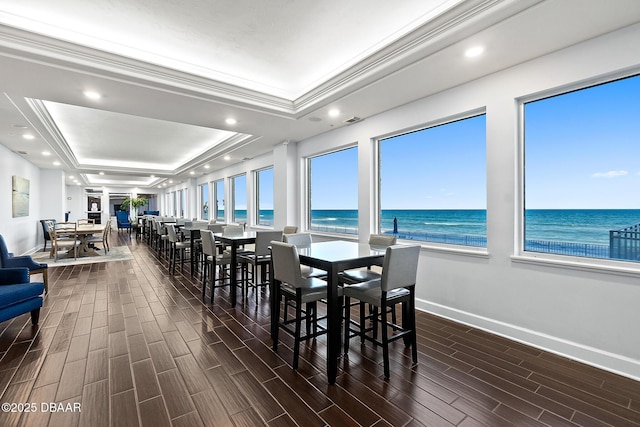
point(625, 243)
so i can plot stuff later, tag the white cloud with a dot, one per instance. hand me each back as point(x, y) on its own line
point(610, 174)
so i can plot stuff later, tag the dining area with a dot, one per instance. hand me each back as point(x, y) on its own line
point(303, 282)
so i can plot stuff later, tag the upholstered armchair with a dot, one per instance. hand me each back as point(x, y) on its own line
point(7, 260)
point(18, 295)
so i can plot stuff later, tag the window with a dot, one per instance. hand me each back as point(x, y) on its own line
point(264, 197)
point(182, 200)
point(433, 183)
point(204, 202)
point(174, 204)
point(333, 192)
point(581, 172)
point(218, 187)
point(239, 208)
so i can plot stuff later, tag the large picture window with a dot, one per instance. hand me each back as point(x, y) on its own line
point(239, 208)
point(333, 192)
point(264, 197)
point(581, 174)
point(433, 183)
point(218, 187)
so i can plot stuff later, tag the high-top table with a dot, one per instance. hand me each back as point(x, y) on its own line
point(333, 257)
point(235, 240)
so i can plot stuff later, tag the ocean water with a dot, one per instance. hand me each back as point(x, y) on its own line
point(590, 226)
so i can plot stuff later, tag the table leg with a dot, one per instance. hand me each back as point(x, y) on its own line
point(234, 278)
point(334, 310)
point(192, 252)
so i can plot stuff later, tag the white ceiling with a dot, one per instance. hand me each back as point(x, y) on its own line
point(171, 72)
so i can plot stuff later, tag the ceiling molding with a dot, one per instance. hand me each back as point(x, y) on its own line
point(444, 30)
point(454, 24)
point(54, 136)
point(25, 45)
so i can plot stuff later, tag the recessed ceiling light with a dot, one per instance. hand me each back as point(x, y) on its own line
point(334, 112)
point(46, 153)
point(56, 163)
point(474, 51)
point(101, 173)
point(231, 121)
point(71, 177)
point(170, 181)
point(192, 173)
point(164, 183)
point(20, 126)
point(153, 176)
point(91, 94)
point(207, 166)
point(77, 183)
point(28, 136)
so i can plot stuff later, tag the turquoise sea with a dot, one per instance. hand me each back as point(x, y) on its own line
point(560, 225)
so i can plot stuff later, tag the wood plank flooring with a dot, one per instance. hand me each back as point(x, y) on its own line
point(133, 345)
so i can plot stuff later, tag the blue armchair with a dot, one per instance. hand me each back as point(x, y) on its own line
point(18, 295)
point(123, 220)
point(7, 260)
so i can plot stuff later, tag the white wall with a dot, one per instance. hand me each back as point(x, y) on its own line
point(589, 313)
point(21, 234)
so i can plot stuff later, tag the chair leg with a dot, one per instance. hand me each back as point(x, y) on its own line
point(35, 316)
point(296, 338)
point(385, 342)
point(347, 322)
point(45, 279)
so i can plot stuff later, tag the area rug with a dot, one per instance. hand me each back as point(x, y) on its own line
point(117, 253)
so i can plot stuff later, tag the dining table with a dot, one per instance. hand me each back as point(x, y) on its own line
point(333, 257)
point(84, 232)
point(235, 240)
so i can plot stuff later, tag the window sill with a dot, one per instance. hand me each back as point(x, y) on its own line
point(451, 249)
point(582, 264)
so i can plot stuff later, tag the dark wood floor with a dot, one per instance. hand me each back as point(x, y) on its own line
point(135, 346)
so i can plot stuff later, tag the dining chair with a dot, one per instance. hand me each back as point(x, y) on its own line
point(175, 246)
point(45, 232)
point(64, 236)
point(86, 221)
point(290, 229)
point(259, 258)
point(395, 286)
point(359, 275)
point(212, 260)
point(301, 290)
point(303, 240)
point(7, 260)
point(102, 238)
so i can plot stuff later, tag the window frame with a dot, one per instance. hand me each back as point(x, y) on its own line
point(232, 188)
point(307, 184)
point(217, 217)
point(606, 265)
point(377, 187)
point(256, 176)
point(201, 194)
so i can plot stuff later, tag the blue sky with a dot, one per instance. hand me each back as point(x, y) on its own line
point(582, 149)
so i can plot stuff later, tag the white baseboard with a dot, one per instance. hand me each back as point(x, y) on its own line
point(612, 362)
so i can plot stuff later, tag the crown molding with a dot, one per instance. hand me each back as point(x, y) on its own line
point(449, 27)
point(453, 25)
